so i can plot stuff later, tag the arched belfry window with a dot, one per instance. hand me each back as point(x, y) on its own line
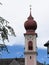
point(30, 45)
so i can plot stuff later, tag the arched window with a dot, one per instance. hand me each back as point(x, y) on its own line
point(30, 45)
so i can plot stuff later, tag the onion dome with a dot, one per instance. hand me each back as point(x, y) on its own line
point(30, 24)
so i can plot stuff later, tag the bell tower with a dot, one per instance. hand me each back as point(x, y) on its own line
point(30, 40)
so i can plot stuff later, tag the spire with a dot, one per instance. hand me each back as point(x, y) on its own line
point(30, 10)
point(30, 16)
point(30, 24)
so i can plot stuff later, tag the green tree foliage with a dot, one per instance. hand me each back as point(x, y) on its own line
point(5, 29)
point(3, 47)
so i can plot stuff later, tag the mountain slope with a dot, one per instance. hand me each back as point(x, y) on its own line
point(17, 51)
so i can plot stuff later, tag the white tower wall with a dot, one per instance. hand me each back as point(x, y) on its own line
point(30, 53)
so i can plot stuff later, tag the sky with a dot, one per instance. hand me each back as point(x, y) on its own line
point(17, 12)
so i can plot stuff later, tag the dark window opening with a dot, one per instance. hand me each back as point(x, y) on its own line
point(30, 45)
point(30, 57)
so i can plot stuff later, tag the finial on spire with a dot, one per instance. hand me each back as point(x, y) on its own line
point(30, 9)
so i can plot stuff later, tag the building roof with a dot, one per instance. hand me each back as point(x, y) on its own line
point(46, 44)
point(14, 61)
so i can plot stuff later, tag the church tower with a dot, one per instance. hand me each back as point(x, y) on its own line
point(30, 41)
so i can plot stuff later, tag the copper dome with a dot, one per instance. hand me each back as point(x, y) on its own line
point(30, 24)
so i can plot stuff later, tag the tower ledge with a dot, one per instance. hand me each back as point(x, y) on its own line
point(30, 33)
point(34, 52)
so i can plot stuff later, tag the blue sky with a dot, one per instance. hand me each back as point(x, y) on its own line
point(17, 11)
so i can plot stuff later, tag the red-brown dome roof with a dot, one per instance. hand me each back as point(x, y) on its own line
point(30, 24)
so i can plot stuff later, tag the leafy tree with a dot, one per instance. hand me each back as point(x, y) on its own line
point(5, 30)
point(3, 47)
